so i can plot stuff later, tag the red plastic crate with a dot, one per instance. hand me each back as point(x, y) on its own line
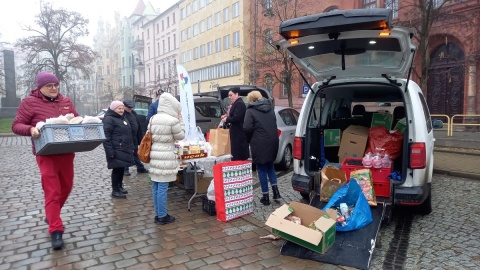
point(381, 183)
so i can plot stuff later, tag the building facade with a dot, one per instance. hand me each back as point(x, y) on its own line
point(212, 34)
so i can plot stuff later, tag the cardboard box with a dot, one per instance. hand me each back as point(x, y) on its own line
point(353, 143)
point(319, 239)
point(332, 137)
point(382, 119)
point(203, 183)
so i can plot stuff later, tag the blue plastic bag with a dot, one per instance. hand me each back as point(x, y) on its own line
point(351, 194)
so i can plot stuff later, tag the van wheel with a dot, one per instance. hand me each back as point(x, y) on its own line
point(287, 159)
point(426, 207)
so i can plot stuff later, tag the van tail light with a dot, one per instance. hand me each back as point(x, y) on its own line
point(297, 148)
point(418, 156)
point(279, 132)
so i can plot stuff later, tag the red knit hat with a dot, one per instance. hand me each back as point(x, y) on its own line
point(44, 78)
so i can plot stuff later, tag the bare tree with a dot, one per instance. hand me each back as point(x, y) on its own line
point(264, 58)
point(168, 80)
point(54, 44)
point(427, 18)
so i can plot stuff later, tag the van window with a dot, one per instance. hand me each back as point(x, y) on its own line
point(208, 109)
point(426, 113)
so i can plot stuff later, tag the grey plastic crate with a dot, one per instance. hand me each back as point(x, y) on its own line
point(61, 139)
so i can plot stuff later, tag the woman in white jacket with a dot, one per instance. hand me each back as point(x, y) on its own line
point(166, 128)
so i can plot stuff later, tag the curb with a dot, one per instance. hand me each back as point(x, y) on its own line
point(457, 174)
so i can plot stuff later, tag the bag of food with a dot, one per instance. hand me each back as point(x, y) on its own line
point(360, 216)
point(332, 180)
point(364, 178)
point(220, 141)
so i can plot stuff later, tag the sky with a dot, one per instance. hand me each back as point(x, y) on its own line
point(19, 13)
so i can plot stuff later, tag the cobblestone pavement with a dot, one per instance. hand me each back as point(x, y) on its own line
point(102, 233)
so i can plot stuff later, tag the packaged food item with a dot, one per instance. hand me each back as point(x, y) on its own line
point(364, 179)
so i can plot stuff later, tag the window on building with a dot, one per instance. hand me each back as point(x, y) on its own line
point(182, 59)
point(268, 80)
point(168, 43)
point(173, 18)
point(202, 50)
point(202, 3)
point(226, 14)
point(163, 25)
point(189, 10)
point(236, 9)
point(267, 8)
point(332, 8)
point(236, 39)
point(210, 48)
point(108, 70)
point(369, 4)
point(168, 21)
point(393, 5)
point(148, 33)
point(164, 70)
point(202, 26)
point(226, 42)
point(163, 45)
point(209, 22)
point(195, 29)
point(189, 32)
point(158, 28)
point(123, 62)
point(218, 45)
point(194, 6)
point(285, 82)
point(195, 53)
point(218, 20)
point(174, 41)
point(183, 14)
point(268, 34)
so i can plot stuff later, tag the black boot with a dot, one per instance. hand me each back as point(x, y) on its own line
point(265, 199)
point(276, 193)
point(164, 220)
point(57, 242)
point(124, 191)
point(118, 194)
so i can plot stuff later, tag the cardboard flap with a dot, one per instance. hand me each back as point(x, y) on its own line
point(283, 211)
point(306, 234)
point(357, 130)
point(324, 223)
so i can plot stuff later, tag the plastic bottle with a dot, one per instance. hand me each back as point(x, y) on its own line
point(386, 162)
point(377, 161)
point(344, 209)
point(367, 160)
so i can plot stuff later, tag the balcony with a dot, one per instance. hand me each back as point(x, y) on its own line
point(138, 45)
point(139, 65)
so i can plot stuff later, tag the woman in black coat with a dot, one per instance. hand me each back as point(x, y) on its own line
point(235, 116)
point(260, 128)
point(118, 145)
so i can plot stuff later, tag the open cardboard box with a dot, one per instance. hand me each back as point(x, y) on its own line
point(318, 240)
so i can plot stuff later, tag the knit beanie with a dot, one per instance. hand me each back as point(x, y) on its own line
point(44, 78)
point(115, 104)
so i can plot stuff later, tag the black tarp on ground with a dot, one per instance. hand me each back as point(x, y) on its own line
point(353, 249)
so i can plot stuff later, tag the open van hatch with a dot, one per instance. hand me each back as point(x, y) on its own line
point(349, 44)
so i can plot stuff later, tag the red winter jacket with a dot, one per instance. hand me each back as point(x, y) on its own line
point(36, 108)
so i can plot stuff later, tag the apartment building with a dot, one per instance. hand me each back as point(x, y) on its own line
point(212, 36)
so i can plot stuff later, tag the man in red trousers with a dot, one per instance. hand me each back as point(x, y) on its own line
point(45, 102)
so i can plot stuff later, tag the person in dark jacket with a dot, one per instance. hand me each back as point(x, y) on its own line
point(235, 116)
point(152, 110)
point(56, 171)
point(260, 128)
point(137, 135)
point(118, 145)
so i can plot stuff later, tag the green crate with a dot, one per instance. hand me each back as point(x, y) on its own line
point(382, 119)
point(332, 137)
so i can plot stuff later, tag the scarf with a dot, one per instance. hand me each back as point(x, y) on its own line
point(231, 104)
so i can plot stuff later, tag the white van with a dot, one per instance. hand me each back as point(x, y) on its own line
point(359, 60)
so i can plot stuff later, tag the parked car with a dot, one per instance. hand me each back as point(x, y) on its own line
point(286, 124)
point(101, 114)
point(358, 58)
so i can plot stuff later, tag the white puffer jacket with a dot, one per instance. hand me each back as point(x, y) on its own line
point(166, 128)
